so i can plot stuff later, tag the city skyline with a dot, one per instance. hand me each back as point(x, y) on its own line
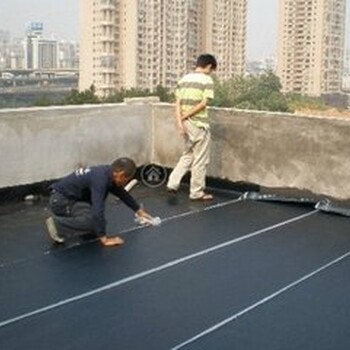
point(61, 20)
point(146, 50)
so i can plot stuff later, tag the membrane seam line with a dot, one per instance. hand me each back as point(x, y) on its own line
point(259, 303)
point(132, 229)
point(187, 213)
point(153, 270)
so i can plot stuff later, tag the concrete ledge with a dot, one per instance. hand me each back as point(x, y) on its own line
point(40, 144)
point(269, 149)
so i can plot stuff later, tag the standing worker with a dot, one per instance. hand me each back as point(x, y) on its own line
point(78, 201)
point(193, 94)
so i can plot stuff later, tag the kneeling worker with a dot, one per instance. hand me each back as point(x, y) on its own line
point(78, 201)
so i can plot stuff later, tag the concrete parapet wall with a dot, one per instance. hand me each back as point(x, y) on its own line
point(38, 144)
point(269, 149)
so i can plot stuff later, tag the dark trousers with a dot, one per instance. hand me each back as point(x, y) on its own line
point(72, 218)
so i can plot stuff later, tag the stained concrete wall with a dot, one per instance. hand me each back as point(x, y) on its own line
point(38, 144)
point(269, 149)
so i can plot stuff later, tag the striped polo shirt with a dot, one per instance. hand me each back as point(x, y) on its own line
point(191, 90)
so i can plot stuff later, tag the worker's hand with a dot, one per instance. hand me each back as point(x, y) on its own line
point(182, 128)
point(144, 218)
point(111, 241)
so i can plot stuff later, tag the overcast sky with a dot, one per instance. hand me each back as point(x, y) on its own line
point(60, 18)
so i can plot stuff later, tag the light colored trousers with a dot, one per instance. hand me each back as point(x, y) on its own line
point(195, 158)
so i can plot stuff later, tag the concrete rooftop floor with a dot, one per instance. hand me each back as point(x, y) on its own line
point(230, 274)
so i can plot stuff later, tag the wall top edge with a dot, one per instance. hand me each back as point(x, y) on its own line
point(167, 104)
point(282, 114)
point(66, 107)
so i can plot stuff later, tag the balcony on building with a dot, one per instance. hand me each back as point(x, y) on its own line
point(108, 4)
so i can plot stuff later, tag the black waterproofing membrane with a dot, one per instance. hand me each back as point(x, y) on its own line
point(301, 197)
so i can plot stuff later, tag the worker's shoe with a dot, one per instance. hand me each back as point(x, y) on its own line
point(171, 196)
point(205, 197)
point(52, 230)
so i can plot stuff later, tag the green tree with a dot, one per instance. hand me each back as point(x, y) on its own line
point(164, 94)
point(87, 96)
point(259, 93)
point(44, 101)
point(118, 96)
point(252, 92)
point(300, 102)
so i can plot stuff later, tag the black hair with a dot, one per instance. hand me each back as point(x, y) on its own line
point(126, 165)
point(206, 59)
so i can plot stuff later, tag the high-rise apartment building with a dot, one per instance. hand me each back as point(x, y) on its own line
point(346, 73)
point(311, 46)
point(145, 43)
point(40, 53)
point(347, 62)
point(4, 47)
point(68, 54)
point(15, 57)
point(11, 51)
